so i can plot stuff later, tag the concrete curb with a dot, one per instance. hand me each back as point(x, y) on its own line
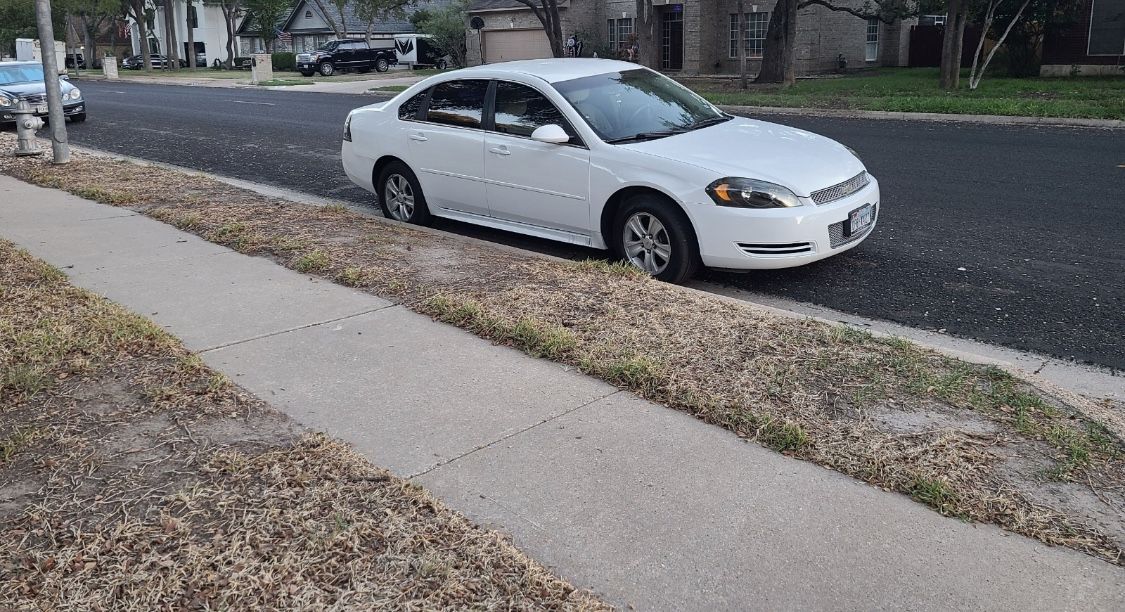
point(939, 117)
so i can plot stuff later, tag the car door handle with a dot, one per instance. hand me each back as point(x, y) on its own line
point(500, 150)
point(418, 137)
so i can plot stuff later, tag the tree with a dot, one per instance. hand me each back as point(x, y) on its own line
point(779, 50)
point(231, 9)
point(547, 11)
point(192, 20)
point(138, 10)
point(91, 17)
point(371, 12)
point(742, 44)
point(266, 14)
point(955, 20)
point(447, 28)
point(338, 24)
point(172, 53)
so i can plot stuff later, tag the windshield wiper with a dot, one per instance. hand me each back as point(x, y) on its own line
point(712, 121)
point(646, 136)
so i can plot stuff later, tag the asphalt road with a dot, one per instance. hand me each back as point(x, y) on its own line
point(1010, 235)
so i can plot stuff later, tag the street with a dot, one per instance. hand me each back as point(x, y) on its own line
point(1008, 235)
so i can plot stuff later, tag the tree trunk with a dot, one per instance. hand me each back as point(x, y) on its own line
point(190, 37)
point(172, 54)
point(142, 32)
point(980, 43)
point(951, 45)
point(779, 48)
point(741, 42)
point(228, 18)
point(974, 79)
point(89, 40)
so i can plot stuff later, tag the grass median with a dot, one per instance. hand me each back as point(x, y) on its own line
point(971, 441)
point(916, 90)
point(134, 477)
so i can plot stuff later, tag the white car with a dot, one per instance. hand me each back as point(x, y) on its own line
point(610, 155)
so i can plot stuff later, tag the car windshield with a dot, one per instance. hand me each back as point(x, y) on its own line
point(24, 73)
point(329, 46)
point(637, 104)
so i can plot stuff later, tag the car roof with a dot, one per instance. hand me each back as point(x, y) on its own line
point(551, 70)
point(20, 63)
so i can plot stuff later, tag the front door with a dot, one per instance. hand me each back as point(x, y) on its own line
point(447, 147)
point(672, 38)
point(531, 182)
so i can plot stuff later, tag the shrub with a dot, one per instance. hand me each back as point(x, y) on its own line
point(285, 61)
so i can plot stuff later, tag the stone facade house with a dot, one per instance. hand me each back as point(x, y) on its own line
point(687, 36)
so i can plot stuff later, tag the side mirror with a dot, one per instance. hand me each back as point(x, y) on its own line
point(551, 133)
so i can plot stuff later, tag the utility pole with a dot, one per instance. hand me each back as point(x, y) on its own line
point(742, 42)
point(59, 146)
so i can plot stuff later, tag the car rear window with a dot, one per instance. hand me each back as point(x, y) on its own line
point(409, 109)
point(458, 103)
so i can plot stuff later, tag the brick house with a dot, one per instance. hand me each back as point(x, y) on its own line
point(687, 36)
point(1092, 45)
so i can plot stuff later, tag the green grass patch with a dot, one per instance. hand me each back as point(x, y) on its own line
point(918, 90)
point(783, 436)
point(284, 82)
point(351, 276)
point(618, 269)
point(16, 441)
point(389, 88)
point(312, 261)
point(102, 195)
point(934, 493)
point(537, 338)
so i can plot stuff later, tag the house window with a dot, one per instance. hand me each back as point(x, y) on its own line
point(619, 31)
point(193, 18)
point(308, 14)
point(872, 51)
point(756, 28)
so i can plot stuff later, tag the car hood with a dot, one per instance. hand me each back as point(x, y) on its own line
point(19, 90)
point(802, 161)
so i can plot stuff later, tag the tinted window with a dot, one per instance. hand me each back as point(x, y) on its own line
point(409, 109)
point(459, 103)
point(520, 110)
point(623, 104)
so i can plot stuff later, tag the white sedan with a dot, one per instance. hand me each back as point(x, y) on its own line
point(610, 155)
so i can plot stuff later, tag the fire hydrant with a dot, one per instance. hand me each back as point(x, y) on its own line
point(26, 126)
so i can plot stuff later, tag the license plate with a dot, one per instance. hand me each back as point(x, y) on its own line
point(860, 218)
point(41, 109)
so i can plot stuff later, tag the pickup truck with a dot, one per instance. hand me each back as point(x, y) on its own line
point(342, 55)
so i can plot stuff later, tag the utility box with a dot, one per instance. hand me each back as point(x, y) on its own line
point(109, 67)
point(261, 68)
point(27, 50)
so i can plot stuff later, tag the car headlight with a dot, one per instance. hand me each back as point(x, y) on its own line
point(5, 101)
point(751, 193)
point(74, 94)
point(348, 128)
point(852, 151)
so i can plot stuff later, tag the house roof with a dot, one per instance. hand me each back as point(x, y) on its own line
point(247, 25)
point(392, 25)
point(502, 5)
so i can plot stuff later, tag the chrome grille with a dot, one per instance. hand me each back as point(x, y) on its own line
point(304, 57)
point(841, 190)
point(775, 249)
point(35, 98)
point(836, 237)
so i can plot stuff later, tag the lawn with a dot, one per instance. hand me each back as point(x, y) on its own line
point(916, 90)
point(183, 73)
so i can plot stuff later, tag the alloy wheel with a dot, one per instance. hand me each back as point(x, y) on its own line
point(647, 244)
point(399, 197)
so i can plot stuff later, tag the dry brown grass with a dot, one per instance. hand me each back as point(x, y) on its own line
point(970, 441)
point(132, 477)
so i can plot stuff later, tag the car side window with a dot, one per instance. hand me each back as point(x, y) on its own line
point(409, 109)
point(458, 103)
point(520, 110)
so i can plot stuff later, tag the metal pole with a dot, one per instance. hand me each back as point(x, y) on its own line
point(59, 146)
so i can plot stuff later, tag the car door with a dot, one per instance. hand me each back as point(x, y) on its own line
point(533, 182)
point(447, 146)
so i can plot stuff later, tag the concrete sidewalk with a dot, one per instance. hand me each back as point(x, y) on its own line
point(644, 505)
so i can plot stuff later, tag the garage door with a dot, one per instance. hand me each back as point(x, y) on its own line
point(508, 45)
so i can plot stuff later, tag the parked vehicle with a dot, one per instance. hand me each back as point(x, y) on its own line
point(605, 154)
point(136, 62)
point(419, 51)
point(24, 81)
point(342, 55)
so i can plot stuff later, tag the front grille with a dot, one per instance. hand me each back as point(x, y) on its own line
point(791, 248)
point(304, 57)
point(836, 237)
point(35, 98)
point(841, 190)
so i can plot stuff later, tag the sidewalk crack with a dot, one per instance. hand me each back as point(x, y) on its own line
point(512, 435)
point(293, 329)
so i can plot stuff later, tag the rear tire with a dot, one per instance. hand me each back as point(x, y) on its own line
point(400, 195)
point(656, 236)
point(441, 65)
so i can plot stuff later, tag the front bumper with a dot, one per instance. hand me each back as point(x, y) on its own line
point(751, 239)
point(71, 108)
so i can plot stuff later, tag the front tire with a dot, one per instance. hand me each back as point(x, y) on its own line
point(327, 69)
point(79, 118)
point(382, 65)
point(400, 195)
point(307, 73)
point(441, 65)
point(654, 235)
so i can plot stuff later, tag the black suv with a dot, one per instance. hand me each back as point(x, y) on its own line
point(337, 55)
